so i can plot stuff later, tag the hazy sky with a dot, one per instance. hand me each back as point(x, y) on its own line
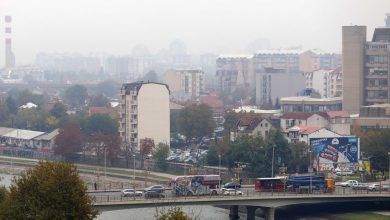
point(221, 26)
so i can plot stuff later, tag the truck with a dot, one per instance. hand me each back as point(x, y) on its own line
point(295, 183)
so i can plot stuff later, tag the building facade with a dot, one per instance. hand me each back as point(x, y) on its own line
point(186, 83)
point(312, 60)
point(365, 67)
point(328, 83)
point(233, 71)
point(271, 86)
point(283, 60)
point(309, 104)
point(144, 113)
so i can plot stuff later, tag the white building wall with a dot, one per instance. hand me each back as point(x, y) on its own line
point(317, 121)
point(153, 113)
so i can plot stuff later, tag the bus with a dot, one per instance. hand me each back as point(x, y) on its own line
point(195, 185)
point(270, 184)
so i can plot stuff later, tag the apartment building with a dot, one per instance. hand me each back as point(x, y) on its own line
point(185, 84)
point(144, 113)
point(272, 85)
point(233, 71)
point(284, 60)
point(327, 82)
point(365, 67)
point(312, 60)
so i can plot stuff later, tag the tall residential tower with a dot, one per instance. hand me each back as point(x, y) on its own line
point(365, 67)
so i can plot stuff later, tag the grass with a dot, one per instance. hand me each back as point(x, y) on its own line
point(92, 169)
point(361, 216)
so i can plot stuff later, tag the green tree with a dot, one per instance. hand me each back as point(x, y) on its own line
point(173, 214)
point(109, 88)
point(31, 119)
point(151, 76)
point(212, 156)
point(196, 121)
point(160, 156)
point(50, 190)
point(11, 104)
point(99, 101)
point(99, 123)
point(58, 110)
point(75, 95)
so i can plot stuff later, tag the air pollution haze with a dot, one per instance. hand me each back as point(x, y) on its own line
point(219, 26)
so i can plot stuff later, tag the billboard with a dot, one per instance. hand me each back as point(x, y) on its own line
point(336, 149)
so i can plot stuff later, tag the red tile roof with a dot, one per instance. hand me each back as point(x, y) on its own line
point(297, 115)
point(213, 102)
point(303, 129)
point(100, 110)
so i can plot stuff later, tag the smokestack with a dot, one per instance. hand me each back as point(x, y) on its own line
point(9, 55)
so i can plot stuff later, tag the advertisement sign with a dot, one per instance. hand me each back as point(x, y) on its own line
point(365, 166)
point(336, 149)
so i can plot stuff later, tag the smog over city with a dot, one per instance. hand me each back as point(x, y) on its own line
point(195, 109)
point(115, 27)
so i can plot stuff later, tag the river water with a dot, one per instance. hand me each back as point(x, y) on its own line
point(196, 212)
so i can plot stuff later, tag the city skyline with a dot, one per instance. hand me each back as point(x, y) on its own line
point(115, 27)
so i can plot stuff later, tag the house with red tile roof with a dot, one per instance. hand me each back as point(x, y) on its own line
point(336, 121)
point(249, 126)
point(302, 133)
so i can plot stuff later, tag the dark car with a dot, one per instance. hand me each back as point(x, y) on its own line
point(153, 194)
point(156, 188)
point(231, 186)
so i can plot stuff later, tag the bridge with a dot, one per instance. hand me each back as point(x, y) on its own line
point(268, 202)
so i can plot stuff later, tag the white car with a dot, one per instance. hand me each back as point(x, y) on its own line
point(349, 183)
point(378, 187)
point(131, 192)
point(232, 192)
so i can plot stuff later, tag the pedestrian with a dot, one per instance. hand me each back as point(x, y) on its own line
point(95, 185)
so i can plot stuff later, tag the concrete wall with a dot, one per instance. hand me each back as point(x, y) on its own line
point(153, 113)
point(353, 47)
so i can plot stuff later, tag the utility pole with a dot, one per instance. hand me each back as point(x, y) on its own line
point(105, 164)
point(219, 171)
point(273, 157)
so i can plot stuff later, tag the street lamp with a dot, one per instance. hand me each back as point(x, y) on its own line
point(219, 171)
point(273, 156)
point(105, 165)
point(388, 179)
point(133, 167)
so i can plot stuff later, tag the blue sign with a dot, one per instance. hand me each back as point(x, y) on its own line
point(337, 149)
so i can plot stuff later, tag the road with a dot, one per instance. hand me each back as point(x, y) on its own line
point(108, 196)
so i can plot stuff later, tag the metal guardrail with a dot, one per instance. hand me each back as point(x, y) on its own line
point(246, 194)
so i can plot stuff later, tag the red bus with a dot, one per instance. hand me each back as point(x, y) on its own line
point(270, 184)
point(195, 184)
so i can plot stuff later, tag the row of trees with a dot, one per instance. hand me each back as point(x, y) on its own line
point(256, 152)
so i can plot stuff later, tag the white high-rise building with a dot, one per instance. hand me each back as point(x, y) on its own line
point(144, 113)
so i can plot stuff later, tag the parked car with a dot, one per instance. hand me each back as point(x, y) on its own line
point(349, 183)
point(156, 188)
point(131, 192)
point(231, 185)
point(232, 192)
point(359, 186)
point(153, 194)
